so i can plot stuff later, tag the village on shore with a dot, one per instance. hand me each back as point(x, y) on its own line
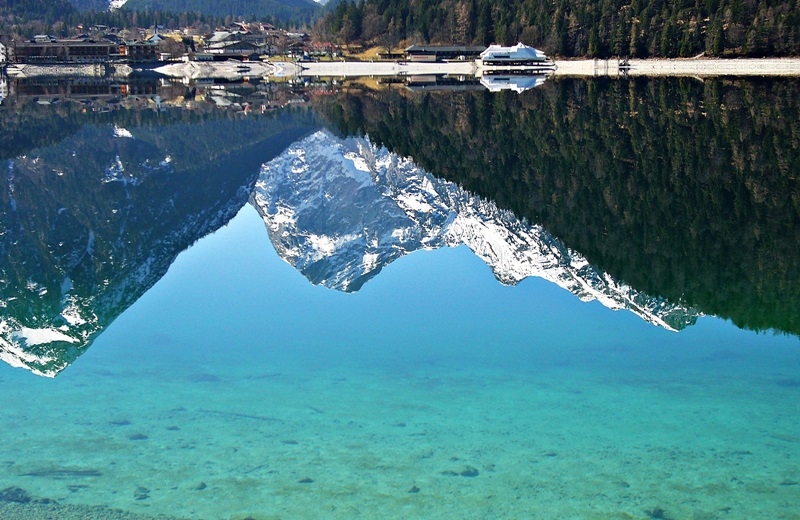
point(241, 42)
point(257, 46)
point(104, 63)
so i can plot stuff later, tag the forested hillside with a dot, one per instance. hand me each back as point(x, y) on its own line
point(281, 9)
point(61, 17)
point(12, 11)
point(637, 28)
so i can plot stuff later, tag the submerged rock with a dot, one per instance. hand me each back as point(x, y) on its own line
point(465, 471)
point(15, 494)
point(141, 493)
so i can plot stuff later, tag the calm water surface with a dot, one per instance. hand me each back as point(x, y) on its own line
point(228, 386)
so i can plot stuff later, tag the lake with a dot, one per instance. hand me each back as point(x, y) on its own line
point(373, 301)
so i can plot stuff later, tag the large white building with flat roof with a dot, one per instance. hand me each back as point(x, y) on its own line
point(519, 54)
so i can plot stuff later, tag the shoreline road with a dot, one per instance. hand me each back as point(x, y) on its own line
point(233, 70)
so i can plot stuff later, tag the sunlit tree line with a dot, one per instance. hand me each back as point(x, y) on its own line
point(637, 28)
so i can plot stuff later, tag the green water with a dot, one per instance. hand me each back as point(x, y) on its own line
point(233, 382)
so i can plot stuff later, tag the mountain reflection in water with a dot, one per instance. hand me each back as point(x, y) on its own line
point(341, 210)
point(93, 222)
point(680, 188)
point(670, 213)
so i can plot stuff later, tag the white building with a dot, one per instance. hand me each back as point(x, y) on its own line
point(519, 54)
point(3, 88)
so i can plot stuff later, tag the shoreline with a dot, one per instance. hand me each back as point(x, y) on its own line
point(677, 67)
point(656, 67)
point(695, 67)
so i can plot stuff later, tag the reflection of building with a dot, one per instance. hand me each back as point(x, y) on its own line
point(65, 88)
point(517, 83)
point(103, 94)
point(3, 88)
point(451, 83)
point(96, 89)
point(494, 81)
point(3, 54)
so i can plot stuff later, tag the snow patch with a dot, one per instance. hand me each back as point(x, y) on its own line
point(39, 336)
point(122, 132)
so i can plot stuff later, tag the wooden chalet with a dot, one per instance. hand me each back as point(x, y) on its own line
point(439, 53)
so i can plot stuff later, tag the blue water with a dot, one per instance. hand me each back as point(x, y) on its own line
point(234, 388)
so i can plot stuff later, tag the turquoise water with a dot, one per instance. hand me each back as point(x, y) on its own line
point(236, 389)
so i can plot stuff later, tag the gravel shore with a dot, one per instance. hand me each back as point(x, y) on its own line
point(233, 70)
point(697, 67)
point(49, 511)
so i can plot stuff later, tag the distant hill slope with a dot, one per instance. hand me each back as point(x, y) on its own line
point(666, 28)
point(90, 5)
point(35, 9)
point(283, 9)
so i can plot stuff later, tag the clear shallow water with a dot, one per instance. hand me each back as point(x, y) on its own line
point(233, 374)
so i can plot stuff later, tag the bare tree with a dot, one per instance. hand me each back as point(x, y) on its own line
point(372, 25)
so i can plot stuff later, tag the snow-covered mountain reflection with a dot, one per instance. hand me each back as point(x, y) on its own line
point(92, 223)
point(339, 210)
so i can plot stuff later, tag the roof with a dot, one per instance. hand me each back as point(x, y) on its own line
point(434, 49)
point(220, 36)
point(519, 50)
point(225, 45)
point(70, 43)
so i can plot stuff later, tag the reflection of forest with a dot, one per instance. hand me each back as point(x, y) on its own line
point(679, 188)
point(135, 92)
point(94, 216)
point(40, 111)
